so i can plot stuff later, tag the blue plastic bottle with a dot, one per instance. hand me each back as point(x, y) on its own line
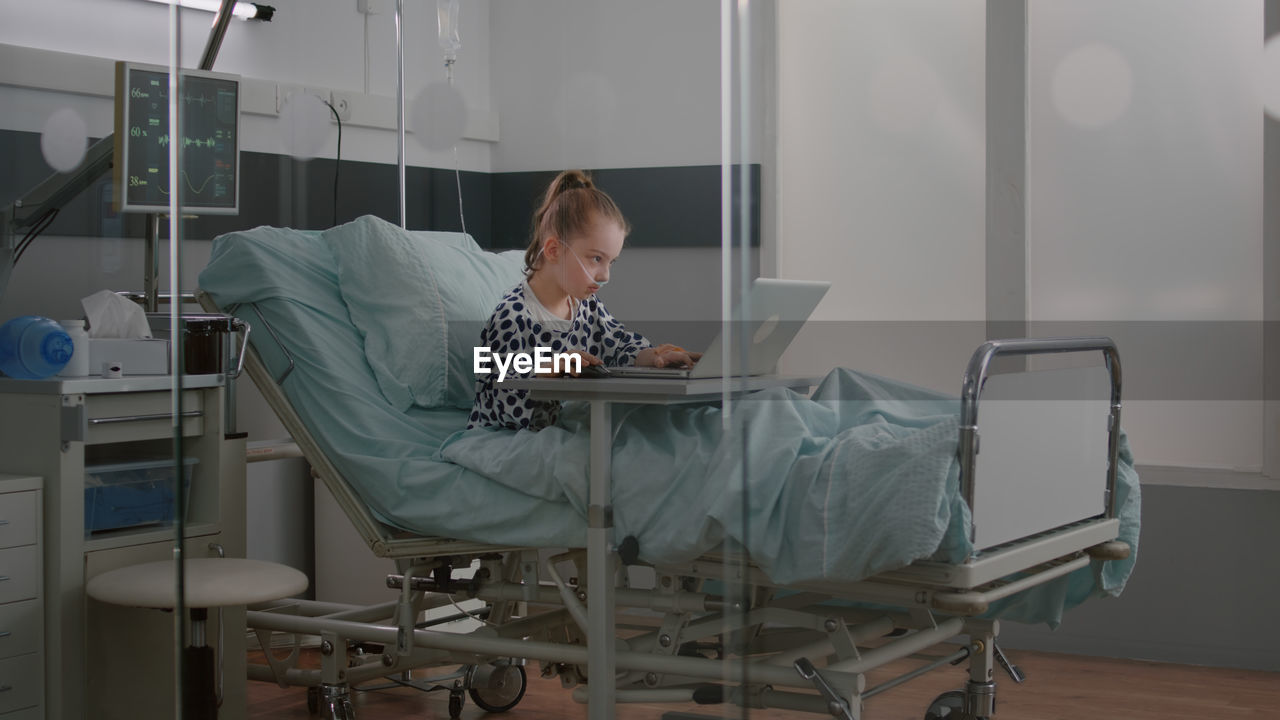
point(33, 347)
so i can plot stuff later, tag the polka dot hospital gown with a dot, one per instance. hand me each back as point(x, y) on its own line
point(512, 328)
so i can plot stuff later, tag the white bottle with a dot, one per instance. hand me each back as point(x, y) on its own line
point(78, 365)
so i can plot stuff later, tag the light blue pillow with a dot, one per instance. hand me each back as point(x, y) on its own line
point(471, 284)
point(420, 300)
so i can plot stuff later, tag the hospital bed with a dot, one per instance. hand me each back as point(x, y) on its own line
point(1041, 507)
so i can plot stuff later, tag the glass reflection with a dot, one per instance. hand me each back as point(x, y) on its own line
point(1092, 86)
point(64, 139)
point(304, 125)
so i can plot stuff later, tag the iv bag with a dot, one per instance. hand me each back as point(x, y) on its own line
point(447, 15)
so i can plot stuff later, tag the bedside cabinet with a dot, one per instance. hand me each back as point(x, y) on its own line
point(87, 438)
point(21, 599)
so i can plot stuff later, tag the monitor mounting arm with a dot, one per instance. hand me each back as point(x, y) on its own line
point(24, 213)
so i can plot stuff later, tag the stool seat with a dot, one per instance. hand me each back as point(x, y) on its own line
point(210, 582)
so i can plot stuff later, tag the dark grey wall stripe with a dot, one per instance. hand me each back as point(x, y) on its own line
point(667, 206)
point(275, 190)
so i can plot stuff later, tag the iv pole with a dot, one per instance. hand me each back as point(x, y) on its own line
point(400, 108)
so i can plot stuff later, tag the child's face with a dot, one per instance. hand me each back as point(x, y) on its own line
point(584, 261)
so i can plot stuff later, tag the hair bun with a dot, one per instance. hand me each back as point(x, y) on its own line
point(562, 213)
point(572, 180)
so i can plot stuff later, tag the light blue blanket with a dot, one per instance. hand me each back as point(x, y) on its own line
point(859, 478)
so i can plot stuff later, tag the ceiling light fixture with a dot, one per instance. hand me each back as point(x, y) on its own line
point(242, 10)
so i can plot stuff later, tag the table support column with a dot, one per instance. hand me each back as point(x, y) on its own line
point(600, 587)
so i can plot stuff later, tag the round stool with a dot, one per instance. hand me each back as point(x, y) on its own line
point(210, 582)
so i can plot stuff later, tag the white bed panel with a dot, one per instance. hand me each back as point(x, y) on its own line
point(1042, 460)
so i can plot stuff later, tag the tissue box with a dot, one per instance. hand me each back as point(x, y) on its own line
point(136, 356)
point(132, 494)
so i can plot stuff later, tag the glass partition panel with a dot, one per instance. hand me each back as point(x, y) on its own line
point(970, 171)
point(262, 110)
point(755, 320)
point(195, 171)
point(89, 411)
point(360, 188)
point(880, 155)
point(633, 93)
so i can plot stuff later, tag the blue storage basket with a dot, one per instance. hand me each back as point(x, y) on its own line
point(134, 494)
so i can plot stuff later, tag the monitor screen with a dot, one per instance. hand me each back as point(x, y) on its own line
point(210, 116)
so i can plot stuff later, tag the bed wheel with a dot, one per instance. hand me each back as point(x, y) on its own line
point(455, 703)
point(332, 702)
point(503, 690)
point(947, 706)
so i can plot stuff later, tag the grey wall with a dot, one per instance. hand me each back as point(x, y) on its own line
point(1202, 593)
point(1139, 214)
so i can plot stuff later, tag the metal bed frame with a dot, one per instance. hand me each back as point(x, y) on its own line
point(762, 649)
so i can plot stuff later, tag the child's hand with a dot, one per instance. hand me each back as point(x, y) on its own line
point(667, 355)
point(587, 360)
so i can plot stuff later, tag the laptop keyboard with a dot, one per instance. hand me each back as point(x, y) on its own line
point(643, 371)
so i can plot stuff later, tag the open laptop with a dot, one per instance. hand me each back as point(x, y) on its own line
point(777, 309)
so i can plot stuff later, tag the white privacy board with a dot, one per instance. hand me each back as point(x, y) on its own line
point(1042, 460)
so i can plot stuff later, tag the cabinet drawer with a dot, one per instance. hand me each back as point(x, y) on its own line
point(123, 417)
point(21, 682)
point(21, 628)
point(19, 571)
point(17, 519)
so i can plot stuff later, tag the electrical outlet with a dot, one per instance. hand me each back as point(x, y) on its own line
point(369, 7)
point(284, 92)
point(342, 104)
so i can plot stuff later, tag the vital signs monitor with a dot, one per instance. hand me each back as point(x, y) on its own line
point(209, 112)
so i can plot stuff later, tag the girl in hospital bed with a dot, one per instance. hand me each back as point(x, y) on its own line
point(577, 234)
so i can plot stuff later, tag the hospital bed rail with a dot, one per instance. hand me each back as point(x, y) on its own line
point(384, 540)
point(975, 378)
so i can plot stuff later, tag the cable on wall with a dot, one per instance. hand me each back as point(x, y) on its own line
point(337, 162)
point(41, 225)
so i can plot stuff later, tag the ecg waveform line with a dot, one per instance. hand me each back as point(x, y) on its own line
point(188, 99)
point(163, 141)
point(194, 189)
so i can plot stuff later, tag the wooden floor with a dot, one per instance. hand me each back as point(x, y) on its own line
point(1058, 687)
